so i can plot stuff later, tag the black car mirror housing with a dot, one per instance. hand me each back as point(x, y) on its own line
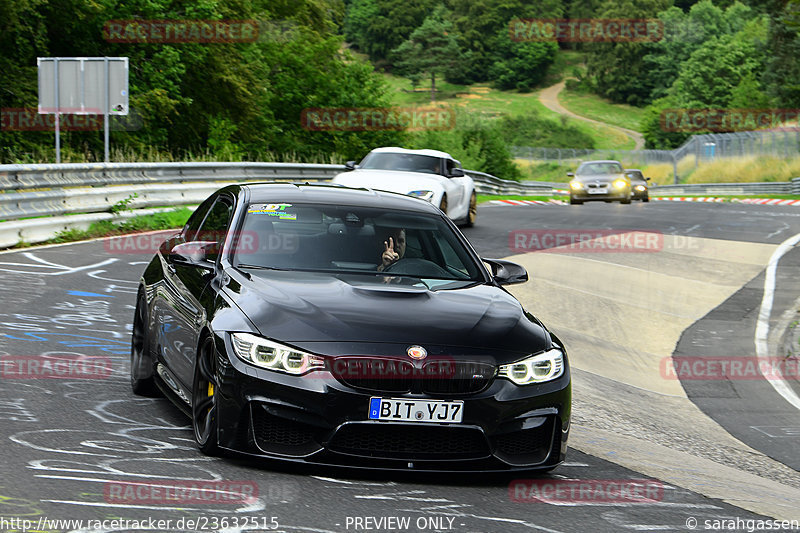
point(506, 272)
point(350, 165)
point(195, 253)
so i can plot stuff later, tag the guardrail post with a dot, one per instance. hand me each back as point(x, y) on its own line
point(796, 186)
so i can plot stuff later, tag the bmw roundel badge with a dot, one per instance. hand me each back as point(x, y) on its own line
point(417, 352)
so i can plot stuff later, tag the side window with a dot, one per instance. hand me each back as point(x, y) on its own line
point(216, 222)
point(450, 165)
point(193, 224)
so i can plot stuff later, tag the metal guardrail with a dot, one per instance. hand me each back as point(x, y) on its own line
point(52, 190)
point(488, 184)
point(785, 187)
point(16, 177)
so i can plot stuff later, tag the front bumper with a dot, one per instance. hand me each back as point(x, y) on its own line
point(608, 194)
point(319, 420)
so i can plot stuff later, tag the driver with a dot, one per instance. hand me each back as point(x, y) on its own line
point(394, 249)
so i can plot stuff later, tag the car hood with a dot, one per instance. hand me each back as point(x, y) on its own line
point(600, 178)
point(307, 307)
point(391, 180)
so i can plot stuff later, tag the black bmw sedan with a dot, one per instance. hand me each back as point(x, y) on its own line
point(327, 325)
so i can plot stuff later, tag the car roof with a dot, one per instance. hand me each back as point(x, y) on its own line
point(398, 150)
point(323, 193)
point(602, 161)
point(632, 170)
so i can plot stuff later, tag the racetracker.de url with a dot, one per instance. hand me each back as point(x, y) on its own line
point(198, 523)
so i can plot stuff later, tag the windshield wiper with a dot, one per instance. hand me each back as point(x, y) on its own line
point(262, 267)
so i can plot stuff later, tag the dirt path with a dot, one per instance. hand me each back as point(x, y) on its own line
point(549, 98)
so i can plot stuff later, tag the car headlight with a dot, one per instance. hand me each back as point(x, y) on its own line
point(620, 183)
point(425, 195)
point(575, 185)
point(640, 187)
point(273, 356)
point(539, 368)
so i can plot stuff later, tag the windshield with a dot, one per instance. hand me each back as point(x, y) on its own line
point(600, 168)
point(397, 161)
point(358, 240)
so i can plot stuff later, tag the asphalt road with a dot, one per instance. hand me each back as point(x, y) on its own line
point(68, 445)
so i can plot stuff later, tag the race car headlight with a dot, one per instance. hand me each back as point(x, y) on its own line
point(273, 356)
point(619, 184)
point(425, 195)
point(575, 185)
point(640, 187)
point(539, 368)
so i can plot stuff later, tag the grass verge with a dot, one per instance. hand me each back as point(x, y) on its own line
point(107, 228)
point(598, 108)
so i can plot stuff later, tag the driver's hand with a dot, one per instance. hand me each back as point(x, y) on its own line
point(389, 255)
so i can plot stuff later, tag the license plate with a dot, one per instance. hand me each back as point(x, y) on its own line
point(434, 411)
point(598, 191)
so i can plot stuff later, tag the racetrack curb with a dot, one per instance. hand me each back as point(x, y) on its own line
point(714, 199)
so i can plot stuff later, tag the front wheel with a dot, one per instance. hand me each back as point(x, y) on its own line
point(472, 215)
point(142, 379)
point(646, 198)
point(626, 201)
point(204, 399)
point(573, 201)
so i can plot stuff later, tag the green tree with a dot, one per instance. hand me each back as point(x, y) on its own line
point(782, 73)
point(748, 94)
point(708, 77)
point(683, 34)
point(431, 49)
point(617, 67)
point(480, 22)
point(379, 26)
point(230, 100)
point(652, 126)
point(520, 65)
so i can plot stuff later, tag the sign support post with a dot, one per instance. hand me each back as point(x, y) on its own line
point(58, 132)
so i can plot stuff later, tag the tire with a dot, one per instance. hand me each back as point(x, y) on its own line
point(143, 381)
point(646, 198)
point(626, 201)
point(573, 201)
point(472, 213)
point(443, 204)
point(205, 399)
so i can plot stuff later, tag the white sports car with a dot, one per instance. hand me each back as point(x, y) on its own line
point(428, 174)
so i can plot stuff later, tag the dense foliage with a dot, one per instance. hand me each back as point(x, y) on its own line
point(226, 100)
point(245, 100)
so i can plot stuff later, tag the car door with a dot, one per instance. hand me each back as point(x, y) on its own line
point(166, 294)
point(186, 282)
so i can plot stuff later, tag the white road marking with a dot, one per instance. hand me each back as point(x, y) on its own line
point(762, 326)
point(42, 263)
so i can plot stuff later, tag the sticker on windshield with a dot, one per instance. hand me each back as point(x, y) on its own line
point(272, 210)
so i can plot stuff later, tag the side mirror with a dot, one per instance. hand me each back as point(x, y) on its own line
point(196, 253)
point(648, 179)
point(506, 272)
point(457, 173)
point(571, 174)
point(350, 165)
